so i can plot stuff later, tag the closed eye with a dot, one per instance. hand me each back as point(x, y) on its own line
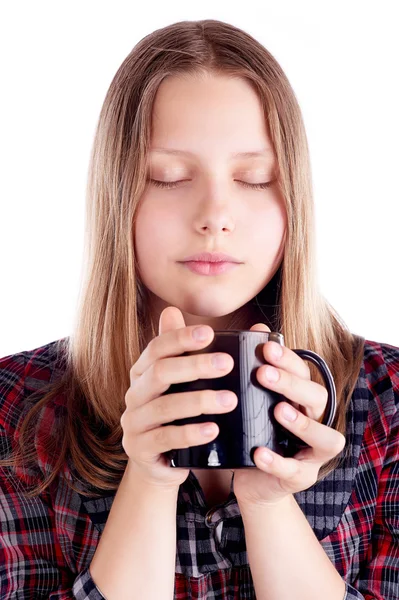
point(257, 186)
point(173, 184)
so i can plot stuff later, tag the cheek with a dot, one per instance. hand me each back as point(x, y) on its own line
point(268, 226)
point(154, 232)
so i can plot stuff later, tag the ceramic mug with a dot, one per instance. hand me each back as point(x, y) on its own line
point(252, 423)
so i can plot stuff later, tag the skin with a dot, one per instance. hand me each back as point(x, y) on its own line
point(211, 210)
point(212, 117)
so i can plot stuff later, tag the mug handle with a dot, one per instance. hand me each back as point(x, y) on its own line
point(323, 368)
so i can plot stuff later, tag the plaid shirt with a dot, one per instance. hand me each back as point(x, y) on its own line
point(48, 542)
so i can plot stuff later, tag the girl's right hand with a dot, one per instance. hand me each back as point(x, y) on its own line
point(145, 439)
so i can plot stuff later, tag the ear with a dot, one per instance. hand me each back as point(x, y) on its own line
point(171, 318)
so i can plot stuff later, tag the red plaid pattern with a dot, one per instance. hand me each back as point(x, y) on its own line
point(47, 543)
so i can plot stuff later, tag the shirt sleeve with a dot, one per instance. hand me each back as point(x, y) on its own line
point(32, 561)
point(379, 579)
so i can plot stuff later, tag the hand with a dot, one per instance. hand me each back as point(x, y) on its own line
point(145, 436)
point(271, 483)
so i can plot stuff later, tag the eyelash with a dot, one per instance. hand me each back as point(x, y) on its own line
point(172, 184)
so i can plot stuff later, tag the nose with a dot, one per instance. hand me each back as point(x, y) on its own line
point(214, 214)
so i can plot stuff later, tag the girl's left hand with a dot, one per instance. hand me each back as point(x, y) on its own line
point(271, 483)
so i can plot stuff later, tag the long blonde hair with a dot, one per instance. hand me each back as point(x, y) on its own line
point(113, 321)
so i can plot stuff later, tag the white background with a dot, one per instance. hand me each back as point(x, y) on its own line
point(57, 62)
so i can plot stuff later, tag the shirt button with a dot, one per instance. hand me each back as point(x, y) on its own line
point(209, 515)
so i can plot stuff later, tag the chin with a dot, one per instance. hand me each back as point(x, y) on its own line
point(209, 309)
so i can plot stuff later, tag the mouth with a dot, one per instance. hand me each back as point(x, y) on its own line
point(209, 268)
point(211, 257)
point(210, 263)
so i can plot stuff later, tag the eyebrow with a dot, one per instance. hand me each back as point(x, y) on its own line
point(253, 154)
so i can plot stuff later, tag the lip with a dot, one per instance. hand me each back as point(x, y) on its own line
point(209, 268)
point(211, 257)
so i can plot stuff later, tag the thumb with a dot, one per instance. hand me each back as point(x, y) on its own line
point(260, 327)
point(171, 318)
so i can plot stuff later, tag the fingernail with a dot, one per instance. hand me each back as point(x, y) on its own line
point(225, 398)
point(200, 333)
point(277, 350)
point(220, 361)
point(289, 413)
point(208, 430)
point(271, 373)
point(266, 457)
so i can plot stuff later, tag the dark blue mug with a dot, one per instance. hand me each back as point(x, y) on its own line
point(252, 423)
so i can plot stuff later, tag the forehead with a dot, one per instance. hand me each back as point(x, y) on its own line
point(262, 153)
point(191, 112)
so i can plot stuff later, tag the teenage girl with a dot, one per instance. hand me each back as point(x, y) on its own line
point(200, 149)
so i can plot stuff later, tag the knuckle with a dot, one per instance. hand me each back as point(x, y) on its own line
point(184, 337)
point(186, 436)
point(159, 434)
point(128, 443)
point(162, 409)
point(321, 402)
point(128, 396)
point(126, 420)
point(294, 471)
point(304, 422)
point(151, 349)
point(157, 372)
point(133, 373)
point(124, 444)
point(203, 363)
point(206, 399)
point(324, 394)
point(288, 382)
point(312, 477)
point(341, 443)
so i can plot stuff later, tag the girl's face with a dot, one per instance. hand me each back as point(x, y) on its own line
point(205, 121)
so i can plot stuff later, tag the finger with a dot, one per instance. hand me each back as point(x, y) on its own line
point(286, 359)
point(272, 346)
point(263, 327)
point(176, 369)
point(170, 343)
point(292, 475)
point(169, 408)
point(306, 393)
point(260, 327)
point(171, 318)
point(164, 439)
point(325, 441)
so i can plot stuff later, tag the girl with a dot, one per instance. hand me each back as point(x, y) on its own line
point(200, 149)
